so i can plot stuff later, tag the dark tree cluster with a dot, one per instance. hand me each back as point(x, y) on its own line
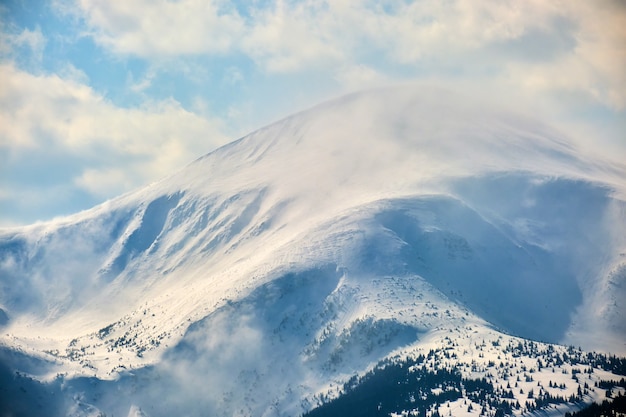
point(393, 387)
point(613, 408)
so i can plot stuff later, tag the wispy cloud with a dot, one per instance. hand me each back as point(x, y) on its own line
point(26, 45)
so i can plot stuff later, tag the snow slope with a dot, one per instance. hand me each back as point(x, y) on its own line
point(316, 246)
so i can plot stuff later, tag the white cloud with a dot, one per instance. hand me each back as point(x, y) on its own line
point(88, 142)
point(104, 182)
point(162, 28)
point(459, 36)
point(600, 53)
point(360, 76)
point(293, 36)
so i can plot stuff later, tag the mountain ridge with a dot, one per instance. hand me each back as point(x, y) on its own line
point(399, 213)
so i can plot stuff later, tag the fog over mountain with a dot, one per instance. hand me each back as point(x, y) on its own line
point(273, 269)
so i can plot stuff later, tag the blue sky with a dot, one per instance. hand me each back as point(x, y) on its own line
point(98, 97)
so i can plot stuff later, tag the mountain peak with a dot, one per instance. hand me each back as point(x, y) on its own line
point(396, 213)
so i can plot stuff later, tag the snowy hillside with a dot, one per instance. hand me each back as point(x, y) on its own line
point(266, 273)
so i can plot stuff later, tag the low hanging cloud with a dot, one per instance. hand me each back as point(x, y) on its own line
point(66, 132)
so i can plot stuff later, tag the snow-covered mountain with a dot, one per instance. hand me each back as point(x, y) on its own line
point(269, 271)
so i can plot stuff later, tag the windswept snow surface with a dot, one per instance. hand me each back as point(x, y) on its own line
point(312, 248)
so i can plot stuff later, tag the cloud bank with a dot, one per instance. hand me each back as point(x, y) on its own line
point(100, 97)
point(533, 41)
